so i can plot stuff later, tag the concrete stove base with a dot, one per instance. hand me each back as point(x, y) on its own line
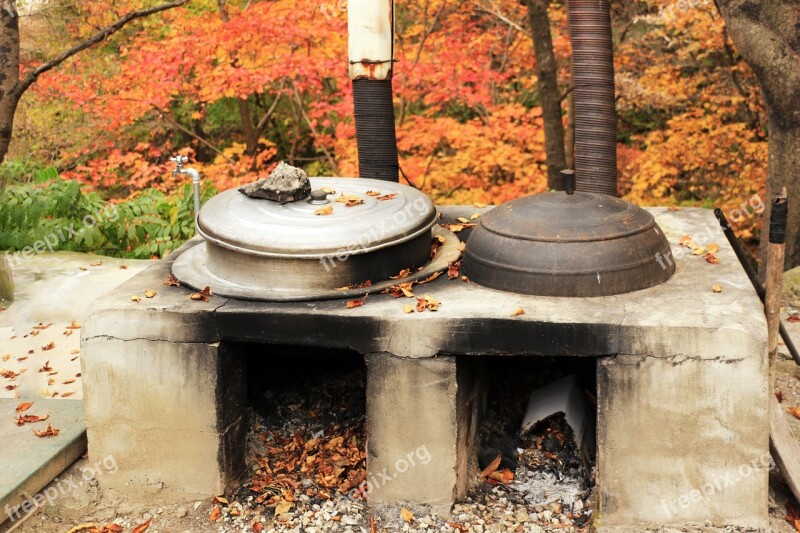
point(682, 384)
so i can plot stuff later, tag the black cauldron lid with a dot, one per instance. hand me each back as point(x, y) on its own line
point(568, 244)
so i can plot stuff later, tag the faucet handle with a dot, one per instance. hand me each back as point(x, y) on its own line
point(179, 160)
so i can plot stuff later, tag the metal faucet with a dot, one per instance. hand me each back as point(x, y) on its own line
point(179, 160)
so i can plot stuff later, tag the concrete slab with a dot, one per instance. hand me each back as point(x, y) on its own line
point(27, 462)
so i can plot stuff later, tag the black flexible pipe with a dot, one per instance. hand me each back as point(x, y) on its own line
point(594, 96)
point(751, 273)
point(375, 130)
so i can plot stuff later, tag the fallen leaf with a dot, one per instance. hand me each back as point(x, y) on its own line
point(202, 295)
point(328, 190)
point(67, 394)
point(150, 293)
point(491, 467)
point(476, 216)
point(172, 281)
point(362, 285)
point(794, 318)
point(795, 412)
point(41, 326)
point(96, 264)
point(220, 499)
point(74, 351)
point(357, 302)
point(24, 406)
point(68, 381)
point(373, 193)
point(50, 346)
point(407, 515)
point(323, 211)
point(6, 357)
point(700, 250)
point(257, 527)
point(674, 208)
point(408, 309)
point(349, 200)
point(717, 288)
point(463, 220)
point(504, 476)
point(49, 432)
point(400, 290)
point(519, 311)
point(123, 267)
point(283, 507)
point(142, 527)
point(46, 367)
point(11, 387)
point(216, 512)
point(402, 274)
point(711, 258)
point(713, 248)
point(387, 197)
point(429, 278)
point(453, 270)
point(686, 241)
point(779, 396)
point(21, 420)
point(22, 358)
point(8, 374)
point(67, 332)
point(427, 303)
point(136, 299)
point(74, 325)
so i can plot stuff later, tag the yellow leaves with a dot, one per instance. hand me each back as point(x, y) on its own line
point(518, 312)
point(350, 200)
point(324, 211)
point(407, 515)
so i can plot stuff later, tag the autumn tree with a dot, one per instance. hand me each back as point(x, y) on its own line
point(13, 86)
point(767, 35)
point(549, 94)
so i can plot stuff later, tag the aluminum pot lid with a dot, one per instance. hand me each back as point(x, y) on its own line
point(378, 214)
point(559, 217)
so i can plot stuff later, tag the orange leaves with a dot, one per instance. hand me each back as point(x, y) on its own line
point(49, 432)
point(324, 211)
point(202, 295)
point(356, 303)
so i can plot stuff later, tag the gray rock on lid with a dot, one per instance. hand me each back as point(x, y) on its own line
point(285, 184)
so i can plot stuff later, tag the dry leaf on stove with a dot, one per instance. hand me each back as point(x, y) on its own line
point(172, 281)
point(136, 299)
point(68, 382)
point(46, 367)
point(429, 278)
point(504, 476)
point(519, 311)
point(11, 387)
point(717, 288)
point(150, 293)
point(216, 512)
point(476, 216)
point(713, 248)
point(452, 269)
point(324, 211)
point(24, 406)
point(49, 432)
point(686, 241)
point(328, 190)
point(67, 332)
point(362, 285)
point(373, 193)
point(794, 411)
point(42, 326)
point(357, 302)
point(21, 420)
point(407, 515)
point(408, 309)
point(463, 220)
point(426, 302)
point(387, 197)
point(400, 290)
point(349, 200)
point(67, 394)
point(74, 325)
point(711, 258)
point(96, 263)
point(202, 295)
point(402, 274)
point(142, 527)
point(8, 374)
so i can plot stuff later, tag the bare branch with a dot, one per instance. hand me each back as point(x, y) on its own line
point(98, 37)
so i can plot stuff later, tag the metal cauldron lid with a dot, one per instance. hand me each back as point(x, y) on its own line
point(559, 217)
point(266, 228)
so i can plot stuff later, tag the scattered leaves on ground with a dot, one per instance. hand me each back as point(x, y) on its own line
point(172, 281)
point(711, 258)
point(24, 406)
point(216, 512)
point(21, 420)
point(401, 289)
point(427, 303)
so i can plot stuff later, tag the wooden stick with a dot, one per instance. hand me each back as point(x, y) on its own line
point(775, 259)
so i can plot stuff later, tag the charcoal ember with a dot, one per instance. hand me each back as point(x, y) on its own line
point(285, 184)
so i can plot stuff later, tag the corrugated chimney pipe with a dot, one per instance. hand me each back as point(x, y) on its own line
point(371, 51)
point(595, 104)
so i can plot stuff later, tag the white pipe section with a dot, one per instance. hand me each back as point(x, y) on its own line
point(370, 26)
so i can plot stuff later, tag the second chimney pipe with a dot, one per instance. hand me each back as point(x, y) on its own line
point(594, 96)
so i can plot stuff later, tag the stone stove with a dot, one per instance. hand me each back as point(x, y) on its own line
point(682, 383)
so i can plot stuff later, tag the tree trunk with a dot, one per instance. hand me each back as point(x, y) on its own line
point(9, 76)
point(549, 95)
point(766, 34)
point(250, 133)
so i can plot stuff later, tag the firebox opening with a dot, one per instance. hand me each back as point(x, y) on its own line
point(531, 408)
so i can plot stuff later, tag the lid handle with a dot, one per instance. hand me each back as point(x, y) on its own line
point(569, 181)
